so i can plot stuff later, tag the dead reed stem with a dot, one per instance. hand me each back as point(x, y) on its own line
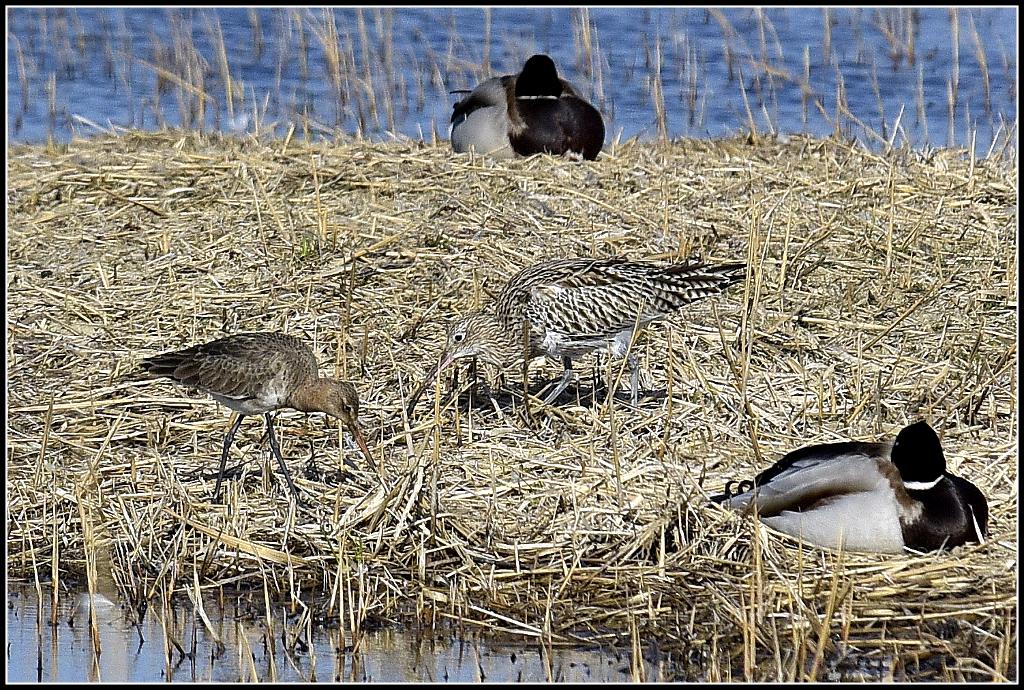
point(881, 288)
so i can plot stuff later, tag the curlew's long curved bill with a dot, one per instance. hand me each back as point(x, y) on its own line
point(358, 436)
point(429, 378)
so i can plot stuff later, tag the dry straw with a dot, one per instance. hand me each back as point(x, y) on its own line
point(881, 289)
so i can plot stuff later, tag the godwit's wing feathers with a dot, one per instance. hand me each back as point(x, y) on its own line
point(233, 378)
point(223, 373)
point(239, 366)
point(161, 365)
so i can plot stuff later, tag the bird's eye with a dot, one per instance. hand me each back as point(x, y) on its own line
point(459, 337)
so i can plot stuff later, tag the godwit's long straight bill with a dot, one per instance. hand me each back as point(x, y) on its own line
point(357, 434)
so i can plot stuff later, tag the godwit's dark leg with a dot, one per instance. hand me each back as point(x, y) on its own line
point(229, 438)
point(276, 450)
point(567, 377)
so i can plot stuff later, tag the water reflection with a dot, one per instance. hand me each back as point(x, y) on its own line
point(176, 646)
point(919, 75)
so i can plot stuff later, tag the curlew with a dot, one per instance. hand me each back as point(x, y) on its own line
point(566, 308)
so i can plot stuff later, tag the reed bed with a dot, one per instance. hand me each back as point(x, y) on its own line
point(374, 72)
point(881, 289)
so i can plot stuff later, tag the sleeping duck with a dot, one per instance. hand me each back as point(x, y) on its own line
point(534, 111)
point(874, 497)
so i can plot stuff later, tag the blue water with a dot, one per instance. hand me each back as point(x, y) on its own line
point(122, 67)
point(145, 653)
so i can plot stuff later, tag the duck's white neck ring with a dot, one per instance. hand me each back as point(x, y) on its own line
point(922, 486)
point(536, 98)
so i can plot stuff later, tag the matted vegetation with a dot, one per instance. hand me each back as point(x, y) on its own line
point(882, 289)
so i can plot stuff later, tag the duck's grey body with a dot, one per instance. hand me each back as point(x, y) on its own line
point(841, 502)
point(534, 111)
point(480, 122)
point(873, 497)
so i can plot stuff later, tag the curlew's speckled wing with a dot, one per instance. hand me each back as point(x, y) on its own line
point(588, 299)
point(244, 366)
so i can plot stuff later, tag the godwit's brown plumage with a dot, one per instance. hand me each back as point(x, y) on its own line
point(257, 373)
point(574, 306)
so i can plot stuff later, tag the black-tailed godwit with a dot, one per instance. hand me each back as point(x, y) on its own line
point(257, 373)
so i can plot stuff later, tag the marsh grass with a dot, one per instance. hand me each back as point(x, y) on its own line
point(881, 289)
point(368, 73)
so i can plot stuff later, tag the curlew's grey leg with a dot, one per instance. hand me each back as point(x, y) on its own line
point(595, 376)
point(276, 450)
point(494, 403)
point(567, 377)
point(634, 376)
point(229, 438)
